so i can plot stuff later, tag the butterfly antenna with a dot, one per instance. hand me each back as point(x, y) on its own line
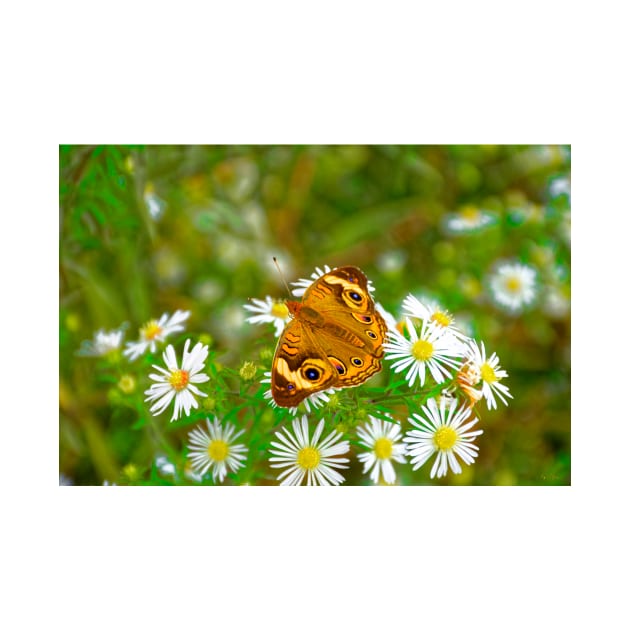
point(275, 262)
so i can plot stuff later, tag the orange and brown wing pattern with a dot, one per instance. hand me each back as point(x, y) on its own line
point(299, 368)
point(334, 340)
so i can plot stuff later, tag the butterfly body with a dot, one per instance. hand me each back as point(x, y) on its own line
point(334, 338)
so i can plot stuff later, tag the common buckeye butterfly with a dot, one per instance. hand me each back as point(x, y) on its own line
point(334, 338)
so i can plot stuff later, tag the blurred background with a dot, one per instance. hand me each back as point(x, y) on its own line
point(150, 229)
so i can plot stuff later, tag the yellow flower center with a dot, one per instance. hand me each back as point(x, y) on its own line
point(218, 450)
point(442, 319)
point(513, 284)
point(487, 373)
point(280, 309)
point(422, 350)
point(150, 330)
point(445, 438)
point(308, 458)
point(179, 379)
point(383, 448)
point(469, 213)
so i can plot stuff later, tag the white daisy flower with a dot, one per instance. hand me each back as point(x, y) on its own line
point(381, 438)
point(216, 449)
point(154, 331)
point(556, 302)
point(269, 311)
point(316, 400)
point(468, 219)
point(434, 349)
point(513, 285)
point(432, 313)
point(306, 457)
point(164, 465)
point(304, 283)
point(442, 431)
point(177, 383)
point(488, 372)
point(103, 343)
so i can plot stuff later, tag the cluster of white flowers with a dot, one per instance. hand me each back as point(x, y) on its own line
point(424, 343)
point(442, 430)
point(172, 384)
point(302, 457)
point(433, 343)
point(150, 334)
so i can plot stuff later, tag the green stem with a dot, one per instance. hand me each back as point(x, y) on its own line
point(411, 395)
point(158, 436)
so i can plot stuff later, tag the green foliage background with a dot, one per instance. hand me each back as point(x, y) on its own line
point(228, 209)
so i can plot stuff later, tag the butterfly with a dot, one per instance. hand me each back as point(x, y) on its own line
point(334, 338)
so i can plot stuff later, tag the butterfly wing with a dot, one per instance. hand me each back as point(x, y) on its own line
point(300, 367)
point(334, 339)
point(352, 331)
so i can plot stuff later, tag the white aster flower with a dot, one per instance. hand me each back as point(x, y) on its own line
point(488, 372)
point(154, 331)
point(102, 344)
point(442, 431)
point(216, 449)
point(556, 302)
point(306, 457)
point(432, 313)
point(304, 283)
point(513, 285)
point(468, 219)
point(381, 438)
point(177, 383)
point(269, 311)
point(316, 400)
point(164, 465)
point(434, 348)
